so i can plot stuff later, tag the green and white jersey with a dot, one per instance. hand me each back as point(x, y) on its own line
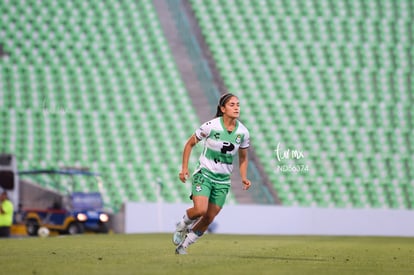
point(220, 148)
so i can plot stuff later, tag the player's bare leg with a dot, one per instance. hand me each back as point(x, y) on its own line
point(199, 228)
point(190, 218)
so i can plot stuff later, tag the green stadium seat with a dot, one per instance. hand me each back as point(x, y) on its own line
point(328, 76)
point(91, 77)
point(331, 72)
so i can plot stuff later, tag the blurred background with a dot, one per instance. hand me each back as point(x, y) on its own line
point(116, 87)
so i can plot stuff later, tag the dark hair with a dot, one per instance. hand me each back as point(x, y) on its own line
point(222, 102)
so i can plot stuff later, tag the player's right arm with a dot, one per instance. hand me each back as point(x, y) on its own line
point(188, 147)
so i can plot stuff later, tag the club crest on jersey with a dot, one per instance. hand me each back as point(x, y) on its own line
point(198, 188)
point(238, 139)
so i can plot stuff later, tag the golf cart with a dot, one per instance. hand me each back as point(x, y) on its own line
point(73, 213)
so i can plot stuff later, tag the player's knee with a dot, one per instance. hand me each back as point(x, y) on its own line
point(200, 212)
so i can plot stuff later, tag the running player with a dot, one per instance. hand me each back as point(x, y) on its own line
point(224, 136)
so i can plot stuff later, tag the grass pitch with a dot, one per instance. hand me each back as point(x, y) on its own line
point(213, 254)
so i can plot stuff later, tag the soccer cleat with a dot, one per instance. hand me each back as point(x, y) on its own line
point(180, 250)
point(179, 234)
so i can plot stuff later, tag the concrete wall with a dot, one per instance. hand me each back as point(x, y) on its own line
point(256, 219)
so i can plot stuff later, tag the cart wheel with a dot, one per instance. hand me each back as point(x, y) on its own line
point(31, 227)
point(75, 228)
point(103, 228)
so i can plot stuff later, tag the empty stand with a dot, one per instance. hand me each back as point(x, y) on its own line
point(94, 85)
point(330, 78)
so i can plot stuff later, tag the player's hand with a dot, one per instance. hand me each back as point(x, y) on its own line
point(184, 175)
point(246, 184)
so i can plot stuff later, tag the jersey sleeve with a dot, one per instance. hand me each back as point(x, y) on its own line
point(246, 141)
point(204, 131)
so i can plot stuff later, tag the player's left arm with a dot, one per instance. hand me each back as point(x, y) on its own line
point(243, 163)
point(6, 208)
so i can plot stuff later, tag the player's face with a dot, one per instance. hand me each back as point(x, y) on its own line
point(232, 108)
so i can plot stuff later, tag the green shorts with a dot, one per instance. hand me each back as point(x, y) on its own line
point(216, 192)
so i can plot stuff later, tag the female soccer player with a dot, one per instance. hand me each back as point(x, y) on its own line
point(224, 136)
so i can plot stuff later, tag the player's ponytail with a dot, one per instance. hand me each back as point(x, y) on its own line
point(222, 102)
